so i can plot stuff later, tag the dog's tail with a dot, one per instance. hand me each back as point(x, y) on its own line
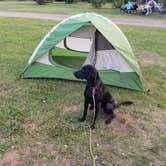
point(124, 103)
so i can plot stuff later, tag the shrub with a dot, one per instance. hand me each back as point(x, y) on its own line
point(41, 2)
point(118, 3)
point(97, 3)
point(69, 1)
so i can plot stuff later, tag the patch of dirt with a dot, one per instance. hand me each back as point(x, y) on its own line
point(11, 158)
point(32, 152)
point(147, 58)
point(6, 92)
point(123, 123)
point(106, 148)
point(43, 152)
point(72, 108)
point(159, 119)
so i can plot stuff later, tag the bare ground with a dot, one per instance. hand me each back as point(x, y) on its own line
point(38, 155)
point(126, 21)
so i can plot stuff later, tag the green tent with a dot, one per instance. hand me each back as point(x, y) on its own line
point(86, 38)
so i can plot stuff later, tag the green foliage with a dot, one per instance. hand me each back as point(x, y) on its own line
point(63, 128)
point(41, 2)
point(69, 1)
point(97, 3)
point(11, 120)
point(140, 160)
point(118, 3)
point(64, 131)
point(3, 148)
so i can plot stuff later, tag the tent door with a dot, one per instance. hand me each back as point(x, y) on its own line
point(104, 56)
point(99, 43)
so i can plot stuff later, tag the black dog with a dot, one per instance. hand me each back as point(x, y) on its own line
point(102, 97)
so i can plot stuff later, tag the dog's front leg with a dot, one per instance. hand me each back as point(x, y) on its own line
point(97, 107)
point(86, 103)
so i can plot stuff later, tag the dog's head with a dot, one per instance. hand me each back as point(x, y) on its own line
point(89, 73)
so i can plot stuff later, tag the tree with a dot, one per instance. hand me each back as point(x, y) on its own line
point(97, 3)
point(69, 1)
point(41, 2)
point(118, 3)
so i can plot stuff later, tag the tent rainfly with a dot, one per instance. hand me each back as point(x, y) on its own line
point(91, 39)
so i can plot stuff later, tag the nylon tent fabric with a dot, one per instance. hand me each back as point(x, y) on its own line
point(58, 33)
point(114, 35)
point(127, 80)
point(65, 28)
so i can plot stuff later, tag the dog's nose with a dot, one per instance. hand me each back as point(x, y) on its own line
point(75, 74)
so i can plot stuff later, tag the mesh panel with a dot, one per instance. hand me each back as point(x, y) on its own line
point(44, 59)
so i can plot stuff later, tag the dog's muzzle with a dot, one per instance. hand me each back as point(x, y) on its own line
point(76, 74)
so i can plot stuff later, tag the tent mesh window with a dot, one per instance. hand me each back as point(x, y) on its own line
point(67, 58)
point(73, 50)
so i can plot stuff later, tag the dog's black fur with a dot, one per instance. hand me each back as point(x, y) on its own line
point(103, 99)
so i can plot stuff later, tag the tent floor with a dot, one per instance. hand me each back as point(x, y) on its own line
point(65, 62)
point(128, 80)
point(70, 61)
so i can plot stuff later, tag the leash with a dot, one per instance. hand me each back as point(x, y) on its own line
point(90, 131)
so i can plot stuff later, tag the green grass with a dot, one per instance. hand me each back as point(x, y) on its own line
point(60, 8)
point(38, 117)
point(75, 8)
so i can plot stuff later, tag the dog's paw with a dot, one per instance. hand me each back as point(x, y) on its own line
point(91, 107)
point(92, 126)
point(81, 119)
point(108, 121)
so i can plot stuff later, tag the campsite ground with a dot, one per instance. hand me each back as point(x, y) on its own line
point(38, 117)
point(63, 8)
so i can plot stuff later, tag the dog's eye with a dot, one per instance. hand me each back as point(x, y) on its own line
point(83, 68)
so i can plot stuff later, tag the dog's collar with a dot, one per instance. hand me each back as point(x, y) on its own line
point(97, 86)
